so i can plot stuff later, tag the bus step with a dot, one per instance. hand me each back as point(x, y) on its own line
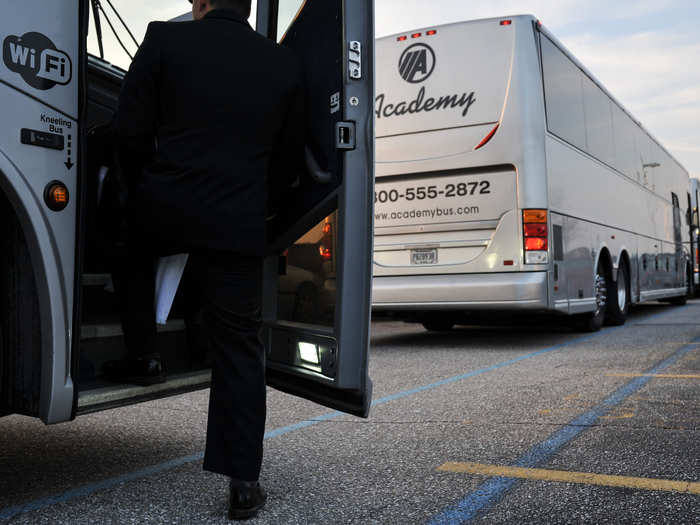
point(99, 331)
point(114, 394)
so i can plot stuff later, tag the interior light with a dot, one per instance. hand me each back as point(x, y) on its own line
point(308, 352)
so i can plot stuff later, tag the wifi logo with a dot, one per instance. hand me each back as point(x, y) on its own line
point(37, 60)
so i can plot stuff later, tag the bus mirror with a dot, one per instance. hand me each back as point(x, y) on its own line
point(695, 222)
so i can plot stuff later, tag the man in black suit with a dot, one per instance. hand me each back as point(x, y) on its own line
point(211, 120)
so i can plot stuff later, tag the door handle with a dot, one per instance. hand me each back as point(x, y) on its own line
point(312, 166)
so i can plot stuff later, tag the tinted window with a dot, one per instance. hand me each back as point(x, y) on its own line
point(599, 136)
point(626, 159)
point(563, 95)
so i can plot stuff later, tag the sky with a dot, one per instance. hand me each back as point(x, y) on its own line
point(645, 52)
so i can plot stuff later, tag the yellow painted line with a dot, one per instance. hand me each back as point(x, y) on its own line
point(661, 376)
point(624, 415)
point(563, 476)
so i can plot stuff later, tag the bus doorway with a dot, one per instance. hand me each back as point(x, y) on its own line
point(317, 347)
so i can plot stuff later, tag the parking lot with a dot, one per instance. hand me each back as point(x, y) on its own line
point(529, 423)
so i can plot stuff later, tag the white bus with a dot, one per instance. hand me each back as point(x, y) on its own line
point(59, 314)
point(508, 178)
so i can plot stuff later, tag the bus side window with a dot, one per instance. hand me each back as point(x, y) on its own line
point(286, 14)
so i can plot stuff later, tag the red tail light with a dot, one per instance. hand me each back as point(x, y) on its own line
point(535, 230)
point(402, 38)
point(506, 22)
point(416, 35)
point(535, 235)
point(535, 243)
point(431, 32)
point(325, 247)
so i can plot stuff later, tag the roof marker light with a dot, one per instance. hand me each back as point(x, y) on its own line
point(402, 38)
point(506, 22)
point(416, 35)
point(431, 32)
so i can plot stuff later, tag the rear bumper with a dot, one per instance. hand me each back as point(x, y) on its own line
point(482, 291)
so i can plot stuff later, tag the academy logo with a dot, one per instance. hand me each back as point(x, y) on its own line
point(38, 61)
point(417, 63)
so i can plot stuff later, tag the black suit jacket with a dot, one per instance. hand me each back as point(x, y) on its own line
point(211, 115)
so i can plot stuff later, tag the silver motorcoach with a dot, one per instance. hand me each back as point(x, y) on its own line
point(509, 178)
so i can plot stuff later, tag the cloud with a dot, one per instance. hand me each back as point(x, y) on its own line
point(649, 74)
point(394, 16)
point(643, 51)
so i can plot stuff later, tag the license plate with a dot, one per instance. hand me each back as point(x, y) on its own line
point(428, 256)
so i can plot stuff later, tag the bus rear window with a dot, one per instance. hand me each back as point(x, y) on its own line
point(456, 77)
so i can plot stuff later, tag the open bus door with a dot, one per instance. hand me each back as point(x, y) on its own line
point(316, 296)
point(60, 318)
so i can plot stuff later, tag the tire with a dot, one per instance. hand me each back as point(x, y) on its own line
point(593, 321)
point(619, 294)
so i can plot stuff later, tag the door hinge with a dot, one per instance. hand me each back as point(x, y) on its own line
point(345, 135)
point(355, 59)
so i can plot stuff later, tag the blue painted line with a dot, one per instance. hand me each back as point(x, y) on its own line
point(109, 483)
point(492, 490)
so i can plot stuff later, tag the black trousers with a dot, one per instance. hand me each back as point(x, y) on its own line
point(230, 289)
point(232, 318)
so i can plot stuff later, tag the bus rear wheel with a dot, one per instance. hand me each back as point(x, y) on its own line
point(593, 321)
point(618, 305)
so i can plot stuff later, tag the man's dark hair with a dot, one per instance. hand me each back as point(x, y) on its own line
point(242, 7)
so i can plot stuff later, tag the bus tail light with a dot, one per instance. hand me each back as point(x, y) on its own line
point(325, 248)
point(535, 236)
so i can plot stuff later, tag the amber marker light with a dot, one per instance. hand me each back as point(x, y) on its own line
point(56, 196)
point(530, 216)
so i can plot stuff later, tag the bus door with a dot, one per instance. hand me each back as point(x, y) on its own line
point(677, 267)
point(316, 294)
point(40, 78)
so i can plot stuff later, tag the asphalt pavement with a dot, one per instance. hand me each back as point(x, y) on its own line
point(525, 423)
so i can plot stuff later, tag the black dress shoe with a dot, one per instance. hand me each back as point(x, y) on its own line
point(144, 370)
point(247, 498)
